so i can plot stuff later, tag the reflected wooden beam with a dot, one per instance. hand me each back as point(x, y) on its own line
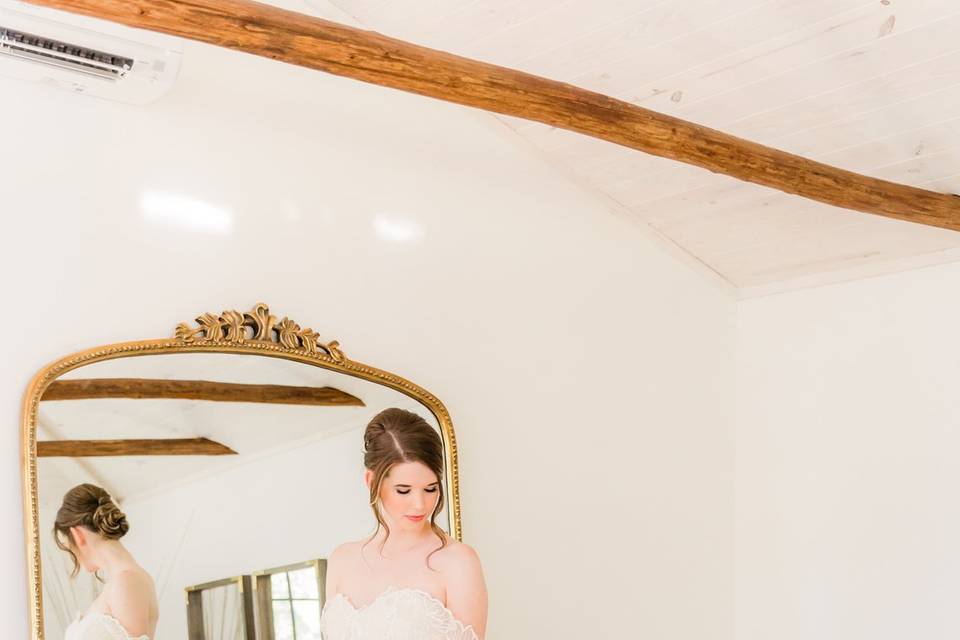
point(306, 41)
point(144, 388)
point(46, 429)
point(159, 447)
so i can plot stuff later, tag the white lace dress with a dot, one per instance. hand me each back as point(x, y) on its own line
point(98, 626)
point(396, 614)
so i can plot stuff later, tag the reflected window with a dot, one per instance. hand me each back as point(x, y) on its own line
point(220, 610)
point(289, 601)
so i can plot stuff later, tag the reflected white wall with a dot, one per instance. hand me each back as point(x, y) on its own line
point(294, 507)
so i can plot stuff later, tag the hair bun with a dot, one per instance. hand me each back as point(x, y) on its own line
point(110, 522)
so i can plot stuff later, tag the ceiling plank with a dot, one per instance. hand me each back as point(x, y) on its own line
point(144, 388)
point(158, 447)
point(370, 57)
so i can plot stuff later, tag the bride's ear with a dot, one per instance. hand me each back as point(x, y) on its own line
point(368, 478)
point(78, 536)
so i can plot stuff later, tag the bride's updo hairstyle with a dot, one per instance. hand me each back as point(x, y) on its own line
point(395, 436)
point(90, 507)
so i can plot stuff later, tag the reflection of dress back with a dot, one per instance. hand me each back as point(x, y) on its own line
point(98, 626)
point(396, 614)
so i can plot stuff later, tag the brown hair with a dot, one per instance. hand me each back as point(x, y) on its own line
point(395, 436)
point(90, 507)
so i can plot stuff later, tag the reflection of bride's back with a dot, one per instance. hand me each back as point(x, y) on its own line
point(410, 580)
point(88, 527)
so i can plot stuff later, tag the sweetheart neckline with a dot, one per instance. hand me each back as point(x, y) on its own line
point(391, 589)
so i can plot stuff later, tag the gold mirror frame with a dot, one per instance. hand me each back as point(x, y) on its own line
point(228, 332)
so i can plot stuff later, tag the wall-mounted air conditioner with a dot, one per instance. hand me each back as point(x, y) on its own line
point(85, 56)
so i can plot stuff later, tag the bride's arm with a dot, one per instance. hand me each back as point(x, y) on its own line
point(466, 588)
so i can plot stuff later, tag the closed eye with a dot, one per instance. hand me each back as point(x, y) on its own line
point(404, 489)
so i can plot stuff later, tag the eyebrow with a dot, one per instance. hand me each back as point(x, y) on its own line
point(411, 486)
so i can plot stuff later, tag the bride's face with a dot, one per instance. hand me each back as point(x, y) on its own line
point(409, 494)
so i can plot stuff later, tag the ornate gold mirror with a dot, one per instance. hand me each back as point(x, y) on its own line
point(234, 448)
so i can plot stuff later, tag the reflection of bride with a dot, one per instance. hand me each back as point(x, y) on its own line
point(89, 526)
point(409, 580)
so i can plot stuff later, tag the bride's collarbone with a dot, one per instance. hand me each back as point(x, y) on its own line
point(374, 572)
point(429, 557)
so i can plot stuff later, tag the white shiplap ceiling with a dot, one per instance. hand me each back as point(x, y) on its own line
point(870, 86)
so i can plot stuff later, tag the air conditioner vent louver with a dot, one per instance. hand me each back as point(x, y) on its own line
point(84, 56)
point(63, 55)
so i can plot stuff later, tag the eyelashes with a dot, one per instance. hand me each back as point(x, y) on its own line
point(404, 492)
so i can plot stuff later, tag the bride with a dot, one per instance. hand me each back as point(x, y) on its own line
point(409, 580)
point(89, 526)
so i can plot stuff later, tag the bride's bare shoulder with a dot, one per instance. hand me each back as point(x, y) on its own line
point(466, 590)
point(456, 556)
point(346, 553)
point(133, 579)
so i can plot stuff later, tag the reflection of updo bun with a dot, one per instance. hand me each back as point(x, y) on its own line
point(108, 520)
point(90, 507)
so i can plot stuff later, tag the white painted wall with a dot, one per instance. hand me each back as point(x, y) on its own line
point(589, 373)
point(847, 444)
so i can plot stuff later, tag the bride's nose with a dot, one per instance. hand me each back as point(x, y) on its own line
point(418, 500)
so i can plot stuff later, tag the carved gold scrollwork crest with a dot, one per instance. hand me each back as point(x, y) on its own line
point(258, 325)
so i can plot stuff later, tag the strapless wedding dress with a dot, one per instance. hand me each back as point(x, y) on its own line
point(396, 614)
point(98, 626)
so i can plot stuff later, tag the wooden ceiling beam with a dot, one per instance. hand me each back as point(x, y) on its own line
point(157, 447)
point(307, 41)
point(144, 388)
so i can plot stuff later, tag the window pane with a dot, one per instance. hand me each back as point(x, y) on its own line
point(282, 621)
point(307, 616)
point(303, 583)
point(278, 585)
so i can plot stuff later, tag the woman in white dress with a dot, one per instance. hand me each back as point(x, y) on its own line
point(89, 526)
point(409, 580)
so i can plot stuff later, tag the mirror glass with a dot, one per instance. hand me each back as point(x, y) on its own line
point(238, 474)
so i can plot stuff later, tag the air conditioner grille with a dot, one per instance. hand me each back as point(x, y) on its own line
point(63, 55)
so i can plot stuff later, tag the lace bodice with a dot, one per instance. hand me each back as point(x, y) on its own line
point(396, 614)
point(98, 626)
